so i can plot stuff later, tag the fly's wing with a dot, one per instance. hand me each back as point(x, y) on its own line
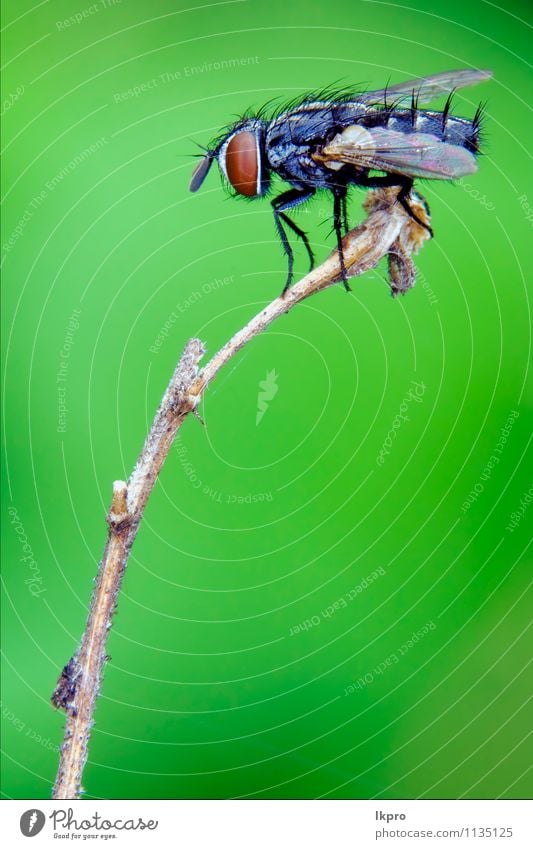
point(412, 154)
point(426, 89)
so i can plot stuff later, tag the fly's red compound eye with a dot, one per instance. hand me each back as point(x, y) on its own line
point(242, 164)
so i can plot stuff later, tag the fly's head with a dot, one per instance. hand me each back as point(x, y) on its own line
point(241, 156)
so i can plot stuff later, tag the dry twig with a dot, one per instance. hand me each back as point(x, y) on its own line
point(386, 232)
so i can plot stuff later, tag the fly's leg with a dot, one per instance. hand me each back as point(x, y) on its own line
point(287, 250)
point(302, 235)
point(344, 214)
point(339, 216)
point(403, 200)
point(405, 186)
point(280, 205)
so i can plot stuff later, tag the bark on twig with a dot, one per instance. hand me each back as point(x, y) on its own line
point(79, 682)
point(387, 231)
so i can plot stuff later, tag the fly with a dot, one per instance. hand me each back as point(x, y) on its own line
point(333, 140)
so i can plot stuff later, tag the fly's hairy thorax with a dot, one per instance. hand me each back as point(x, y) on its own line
point(294, 136)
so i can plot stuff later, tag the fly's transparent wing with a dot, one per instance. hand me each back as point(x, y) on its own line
point(426, 89)
point(413, 154)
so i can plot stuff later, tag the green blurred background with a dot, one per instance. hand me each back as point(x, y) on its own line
point(260, 523)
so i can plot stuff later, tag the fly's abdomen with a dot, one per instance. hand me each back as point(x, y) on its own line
point(461, 132)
